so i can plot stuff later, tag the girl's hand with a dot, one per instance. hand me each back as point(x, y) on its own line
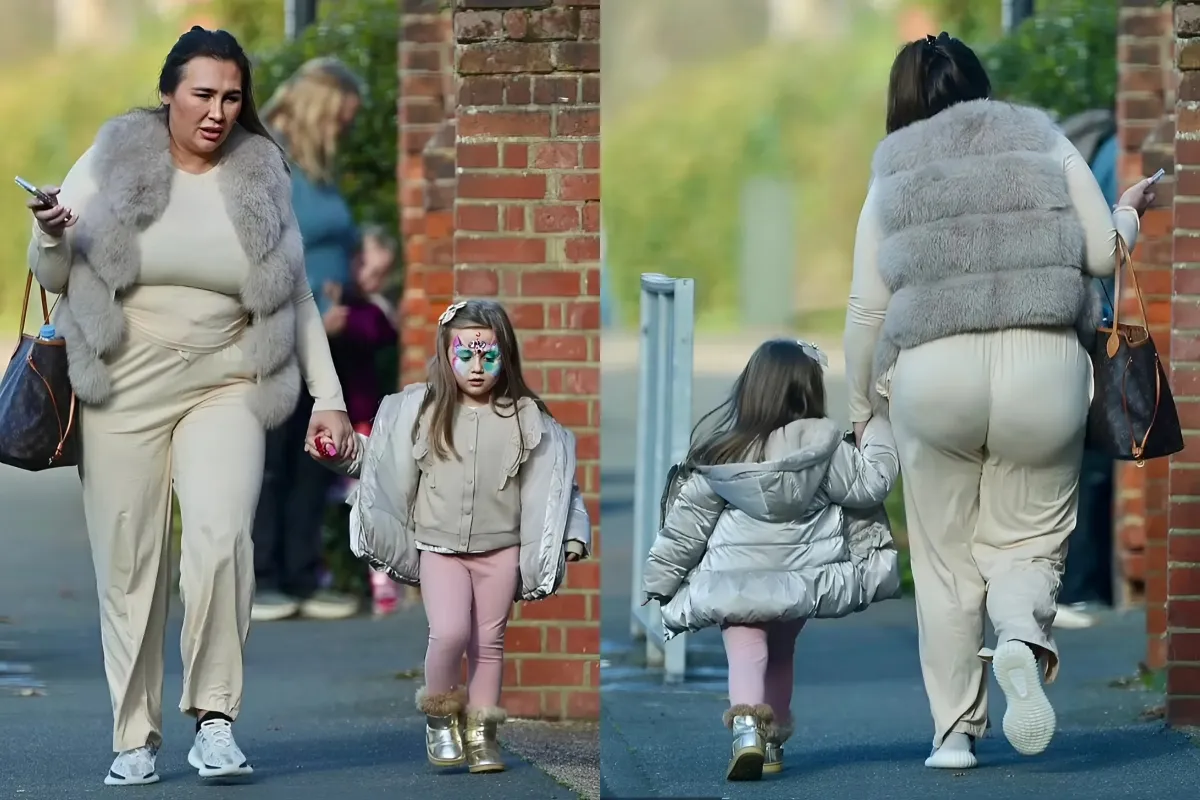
point(572, 556)
point(859, 428)
point(331, 427)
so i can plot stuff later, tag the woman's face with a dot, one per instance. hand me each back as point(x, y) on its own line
point(374, 265)
point(205, 105)
point(350, 106)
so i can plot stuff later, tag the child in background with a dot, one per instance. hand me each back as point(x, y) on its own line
point(467, 489)
point(773, 519)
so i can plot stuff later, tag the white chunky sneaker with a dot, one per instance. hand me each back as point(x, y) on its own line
point(1029, 720)
point(956, 752)
point(133, 767)
point(215, 754)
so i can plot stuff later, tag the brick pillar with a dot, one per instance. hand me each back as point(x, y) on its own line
point(1183, 540)
point(426, 178)
point(527, 221)
point(1146, 134)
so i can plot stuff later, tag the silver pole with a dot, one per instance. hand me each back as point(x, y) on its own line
point(298, 15)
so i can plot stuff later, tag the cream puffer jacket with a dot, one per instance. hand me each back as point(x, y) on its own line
point(802, 534)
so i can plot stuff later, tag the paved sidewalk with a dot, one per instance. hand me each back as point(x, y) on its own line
point(328, 714)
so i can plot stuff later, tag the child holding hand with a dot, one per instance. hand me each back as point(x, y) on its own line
point(467, 489)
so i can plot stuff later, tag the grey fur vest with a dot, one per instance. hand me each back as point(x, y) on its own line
point(979, 232)
point(134, 169)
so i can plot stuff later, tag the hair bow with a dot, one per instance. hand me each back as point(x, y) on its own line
point(449, 313)
point(812, 351)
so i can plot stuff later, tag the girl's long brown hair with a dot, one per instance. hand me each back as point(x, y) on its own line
point(779, 385)
point(442, 394)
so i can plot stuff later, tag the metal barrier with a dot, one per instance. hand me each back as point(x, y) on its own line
point(663, 431)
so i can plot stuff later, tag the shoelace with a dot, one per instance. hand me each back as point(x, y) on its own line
point(218, 732)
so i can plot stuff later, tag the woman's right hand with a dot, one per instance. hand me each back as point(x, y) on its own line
point(53, 220)
point(1138, 197)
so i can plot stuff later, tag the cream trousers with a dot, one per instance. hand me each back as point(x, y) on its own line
point(176, 417)
point(989, 428)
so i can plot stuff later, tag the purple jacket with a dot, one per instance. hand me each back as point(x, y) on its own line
point(355, 351)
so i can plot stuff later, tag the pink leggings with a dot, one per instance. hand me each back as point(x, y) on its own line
point(760, 664)
point(467, 599)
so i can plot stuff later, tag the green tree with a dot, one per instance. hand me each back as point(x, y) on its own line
point(1063, 59)
point(364, 35)
point(258, 24)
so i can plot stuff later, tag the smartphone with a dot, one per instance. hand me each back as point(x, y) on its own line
point(1156, 177)
point(43, 198)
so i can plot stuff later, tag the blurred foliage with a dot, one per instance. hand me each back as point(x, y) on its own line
point(1064, 59)
point(363, 34)
point(972, 21)
point(675, 162)
point(258, 24)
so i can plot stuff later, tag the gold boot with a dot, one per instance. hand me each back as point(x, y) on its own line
point(749, 724)
point(482, 750)
point(777, 734)
point(443, 726)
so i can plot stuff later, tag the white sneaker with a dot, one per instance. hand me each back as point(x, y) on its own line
point(1029, 720)
point(215, 754)
point(133, 767)
point(956, 752)
point(1073, 618)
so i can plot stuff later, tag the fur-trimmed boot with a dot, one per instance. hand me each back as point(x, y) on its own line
point(482, 749)
point(777, 734)
point(749, 726)
point(443, 726)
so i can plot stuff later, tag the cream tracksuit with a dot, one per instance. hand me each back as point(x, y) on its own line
point(990, 452)
point(178, 418)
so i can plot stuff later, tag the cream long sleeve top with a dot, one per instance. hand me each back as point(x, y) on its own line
point(869, 295)
point(193, 268)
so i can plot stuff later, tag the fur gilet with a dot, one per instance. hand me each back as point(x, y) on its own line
point(133, 167)
point(979, 232)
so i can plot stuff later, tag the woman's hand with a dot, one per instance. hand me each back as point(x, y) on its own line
point(859, 428)
point(53, 220)
point(1139, 196)
point(331, 427)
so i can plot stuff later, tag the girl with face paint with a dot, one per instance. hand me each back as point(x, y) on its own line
point(474, 485)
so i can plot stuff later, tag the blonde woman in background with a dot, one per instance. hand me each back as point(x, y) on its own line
point(309, 116)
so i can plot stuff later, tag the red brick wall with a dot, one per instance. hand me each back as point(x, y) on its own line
point(508, 174)
point(426, 177)
point(1146, 132)
point(1183, 540)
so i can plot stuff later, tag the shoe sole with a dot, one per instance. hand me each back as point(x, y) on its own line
point(112, 780)
point(952, 759)
point(273, 613)
point(772, 769)
point(437, 762)
point(1029, 720)
point(481, 770)
point(747, 765)
point(217, 772)
point(326, 613)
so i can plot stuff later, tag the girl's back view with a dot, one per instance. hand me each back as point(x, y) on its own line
point(773, 519)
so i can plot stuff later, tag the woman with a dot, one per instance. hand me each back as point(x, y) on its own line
point(188, 323)
point(971, 279)
point(309, 115)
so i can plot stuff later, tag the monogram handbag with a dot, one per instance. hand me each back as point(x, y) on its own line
point(1132, 416)
point(37, 406)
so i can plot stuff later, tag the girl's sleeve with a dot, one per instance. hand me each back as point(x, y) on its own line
point(864, 478)
point(681, 543)
point(865, 309)
point(579, 526)
point(353, 467)
point(50, 259)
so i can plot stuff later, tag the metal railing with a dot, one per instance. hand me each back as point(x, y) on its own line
point(663, 431)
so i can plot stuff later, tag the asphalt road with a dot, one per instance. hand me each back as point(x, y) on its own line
point(328, 711)
point(863, 725)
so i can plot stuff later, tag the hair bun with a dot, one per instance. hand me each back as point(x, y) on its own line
point(196, 28)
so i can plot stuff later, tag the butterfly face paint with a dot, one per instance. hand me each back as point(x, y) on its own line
point(475, 357)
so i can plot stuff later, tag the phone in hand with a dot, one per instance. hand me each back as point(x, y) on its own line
point(43, 198)
point(1156, 177)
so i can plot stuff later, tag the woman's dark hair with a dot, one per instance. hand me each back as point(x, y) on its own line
point(223, 46)
point(930, 75)
point(780, 384)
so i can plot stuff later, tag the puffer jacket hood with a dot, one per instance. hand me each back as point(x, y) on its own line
point(781, 490)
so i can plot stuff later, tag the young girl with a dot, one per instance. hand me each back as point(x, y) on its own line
point(773, 519)
point(467, 488)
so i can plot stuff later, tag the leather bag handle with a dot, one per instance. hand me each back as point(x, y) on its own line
point(1124, 258)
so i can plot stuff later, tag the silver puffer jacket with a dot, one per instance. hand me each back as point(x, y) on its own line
point(802, 534)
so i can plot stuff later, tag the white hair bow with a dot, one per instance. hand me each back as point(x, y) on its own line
point(449, 313)
point(815, 353)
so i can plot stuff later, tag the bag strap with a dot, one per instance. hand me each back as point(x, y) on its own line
point(25, 303)
point(1124, 258)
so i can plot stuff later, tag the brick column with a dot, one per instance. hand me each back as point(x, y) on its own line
point(527, 221)
point(1183, 540)
point(426, 177)
point(1146, 134)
